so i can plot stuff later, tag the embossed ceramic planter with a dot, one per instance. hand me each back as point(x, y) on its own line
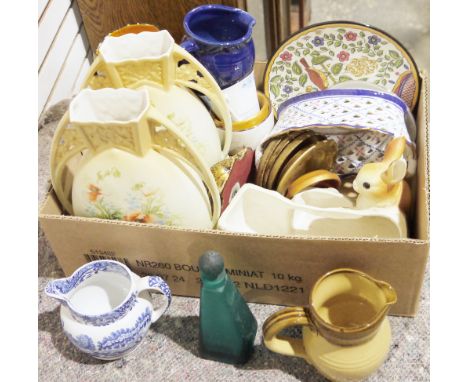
point(106, 308)
point(137, 166)
point(258, 210)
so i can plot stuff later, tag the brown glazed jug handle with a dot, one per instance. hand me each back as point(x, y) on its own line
point(294, 316)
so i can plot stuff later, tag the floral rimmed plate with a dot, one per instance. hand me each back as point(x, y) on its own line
point(324, 55)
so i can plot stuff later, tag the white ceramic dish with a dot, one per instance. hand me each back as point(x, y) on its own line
point(322, 198)
point(257, 210)
point(251, 132)
point(252, 137)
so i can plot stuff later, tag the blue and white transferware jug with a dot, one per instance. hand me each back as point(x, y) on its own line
point(106, 308)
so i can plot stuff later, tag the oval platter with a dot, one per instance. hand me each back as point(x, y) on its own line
point(327, 54)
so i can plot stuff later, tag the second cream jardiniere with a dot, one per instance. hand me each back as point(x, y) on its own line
point(153, 58)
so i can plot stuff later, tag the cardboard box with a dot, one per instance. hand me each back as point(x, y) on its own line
point(267, 269)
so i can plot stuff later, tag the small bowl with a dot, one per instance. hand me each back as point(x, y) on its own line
point(134, 28)
point(251, 132)
point(317, 178)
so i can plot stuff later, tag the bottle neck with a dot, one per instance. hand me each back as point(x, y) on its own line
point(217, 282)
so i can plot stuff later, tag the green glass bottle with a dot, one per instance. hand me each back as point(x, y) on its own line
point(227, 326)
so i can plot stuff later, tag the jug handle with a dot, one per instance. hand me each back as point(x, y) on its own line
point(287, 317)
point(189, 45)
point(156, 283)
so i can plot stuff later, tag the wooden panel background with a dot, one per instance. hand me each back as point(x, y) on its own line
point(101, 17)
point(63, 51)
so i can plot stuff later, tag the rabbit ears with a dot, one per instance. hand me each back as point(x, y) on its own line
point(395, 161)
point(391, 170)
point(394, 150)
point(395, 172)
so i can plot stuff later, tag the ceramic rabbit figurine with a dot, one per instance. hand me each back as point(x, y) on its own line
point(381, 184)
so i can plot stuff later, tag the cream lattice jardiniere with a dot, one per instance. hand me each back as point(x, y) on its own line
point(100, 121)
point(328, 54)
point(153, 58)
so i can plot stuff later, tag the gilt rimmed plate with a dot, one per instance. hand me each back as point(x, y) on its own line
point(303, 140)
point(272, 150)
point(324, 55)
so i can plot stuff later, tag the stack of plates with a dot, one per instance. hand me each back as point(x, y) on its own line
point(289, 156)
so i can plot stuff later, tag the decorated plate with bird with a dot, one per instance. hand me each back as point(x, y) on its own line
point(327, 54)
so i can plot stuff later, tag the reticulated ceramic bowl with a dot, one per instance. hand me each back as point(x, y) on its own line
point(361, 121)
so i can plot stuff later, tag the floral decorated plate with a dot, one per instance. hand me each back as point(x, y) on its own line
point(324, 55)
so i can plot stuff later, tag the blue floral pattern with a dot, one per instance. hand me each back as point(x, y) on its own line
point(114, 341)
point(374, 40)
point(318, 41)
point(82, 342)
point(107, 318)
point(118, 342)
point(288, 89)
point(61, 287)
point(158, 282)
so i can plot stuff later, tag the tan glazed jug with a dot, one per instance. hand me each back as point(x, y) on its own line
point(346, 333)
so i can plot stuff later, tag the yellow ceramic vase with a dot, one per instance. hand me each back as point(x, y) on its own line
point(346, 334)
point(153, 58)
point(121, 126)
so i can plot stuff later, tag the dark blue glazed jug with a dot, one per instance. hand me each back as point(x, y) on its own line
point(220, 37)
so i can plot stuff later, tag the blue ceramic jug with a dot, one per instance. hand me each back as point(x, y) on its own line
point(220, 37)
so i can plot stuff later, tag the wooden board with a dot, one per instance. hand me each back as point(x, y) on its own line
point(42, 4)
point(63, 50)
point(57, 54)
point(83, 71)
point(63, 87)
point(101, 17)
point(49, 25)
